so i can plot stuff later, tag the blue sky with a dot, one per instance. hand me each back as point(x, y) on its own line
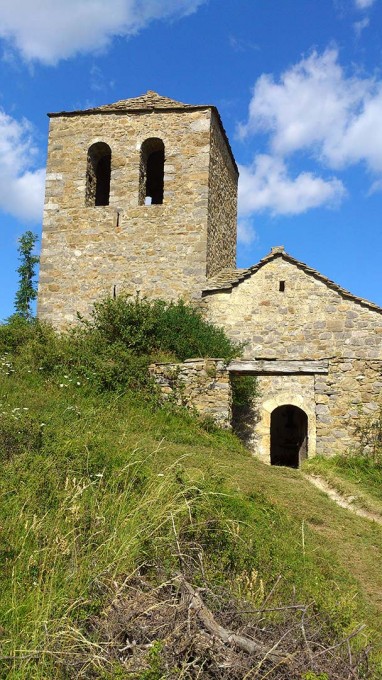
point(298, 85)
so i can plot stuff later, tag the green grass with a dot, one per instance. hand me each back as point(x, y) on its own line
point(97, 483)
point(356, 476)
point(109, 485)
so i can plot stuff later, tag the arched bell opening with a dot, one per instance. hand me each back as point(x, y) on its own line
point(151, 180)
point(289, 436)
point(98, 174)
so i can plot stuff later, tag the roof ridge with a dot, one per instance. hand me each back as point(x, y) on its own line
point(146, 101)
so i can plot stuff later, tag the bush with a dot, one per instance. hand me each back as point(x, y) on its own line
point(113, 349)
point(370, 437)
point(244, 393)
point(148, 327)
point(15, 332)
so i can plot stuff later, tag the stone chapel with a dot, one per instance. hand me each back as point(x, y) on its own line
point(141, 195)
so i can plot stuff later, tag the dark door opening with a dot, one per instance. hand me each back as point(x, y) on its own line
point(289, 436)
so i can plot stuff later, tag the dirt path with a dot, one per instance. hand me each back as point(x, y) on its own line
point(342, 501)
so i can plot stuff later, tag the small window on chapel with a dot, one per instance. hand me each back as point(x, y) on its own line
point(151, 179)
point(281, 286)
point(98, 174)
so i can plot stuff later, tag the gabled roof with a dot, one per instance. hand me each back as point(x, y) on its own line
point(145, 102)
point(229, 279)
point(150, 101)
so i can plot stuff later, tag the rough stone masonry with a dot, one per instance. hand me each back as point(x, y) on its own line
point(141, 196)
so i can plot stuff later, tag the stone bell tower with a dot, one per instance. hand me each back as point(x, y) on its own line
point(140, 196)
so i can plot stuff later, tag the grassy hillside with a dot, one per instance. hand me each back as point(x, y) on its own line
point(355, 476)
point(104, 494)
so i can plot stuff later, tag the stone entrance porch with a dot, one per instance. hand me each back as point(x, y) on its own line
point(283, 384)
point(282, 425)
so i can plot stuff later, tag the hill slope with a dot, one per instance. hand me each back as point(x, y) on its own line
point(98, 489)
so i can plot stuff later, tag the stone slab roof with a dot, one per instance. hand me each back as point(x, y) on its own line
point(145, 102)
point(150, 101)
point(228, 279)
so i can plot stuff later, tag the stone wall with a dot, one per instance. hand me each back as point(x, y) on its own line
point(160, 250)
point(310, 320)
point(338, 405)
point(222, 205)
point(346, 399)
point(200, 384)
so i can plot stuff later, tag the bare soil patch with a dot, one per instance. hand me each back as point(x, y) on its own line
point(347, 502)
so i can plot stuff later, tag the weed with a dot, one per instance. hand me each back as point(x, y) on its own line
point(370, 438)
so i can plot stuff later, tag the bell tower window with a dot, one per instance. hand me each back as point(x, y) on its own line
point(98, 174)
point(151, 180)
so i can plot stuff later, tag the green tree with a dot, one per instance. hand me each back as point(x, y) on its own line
point(27, 290)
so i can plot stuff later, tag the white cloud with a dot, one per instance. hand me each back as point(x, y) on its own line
point(317, 108)
point(240, 45)
point(376, 187)
point(98, 82)
point(364, 4)
point(266, 185)
point(21, 187)
point(49, 30)
point(360, 26)
point(246, 233)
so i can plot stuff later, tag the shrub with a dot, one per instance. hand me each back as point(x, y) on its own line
point(370, 437)
point(15, 332)
point(148, 327)
point(244, 392)
point(112, 349)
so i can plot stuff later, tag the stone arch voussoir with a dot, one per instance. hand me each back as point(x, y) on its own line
point(263, 427)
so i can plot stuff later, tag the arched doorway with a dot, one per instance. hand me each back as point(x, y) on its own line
point(289, 436)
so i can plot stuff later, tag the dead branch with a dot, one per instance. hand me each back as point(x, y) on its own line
point(299, 607)
point(225, 635)
point(341, 642)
